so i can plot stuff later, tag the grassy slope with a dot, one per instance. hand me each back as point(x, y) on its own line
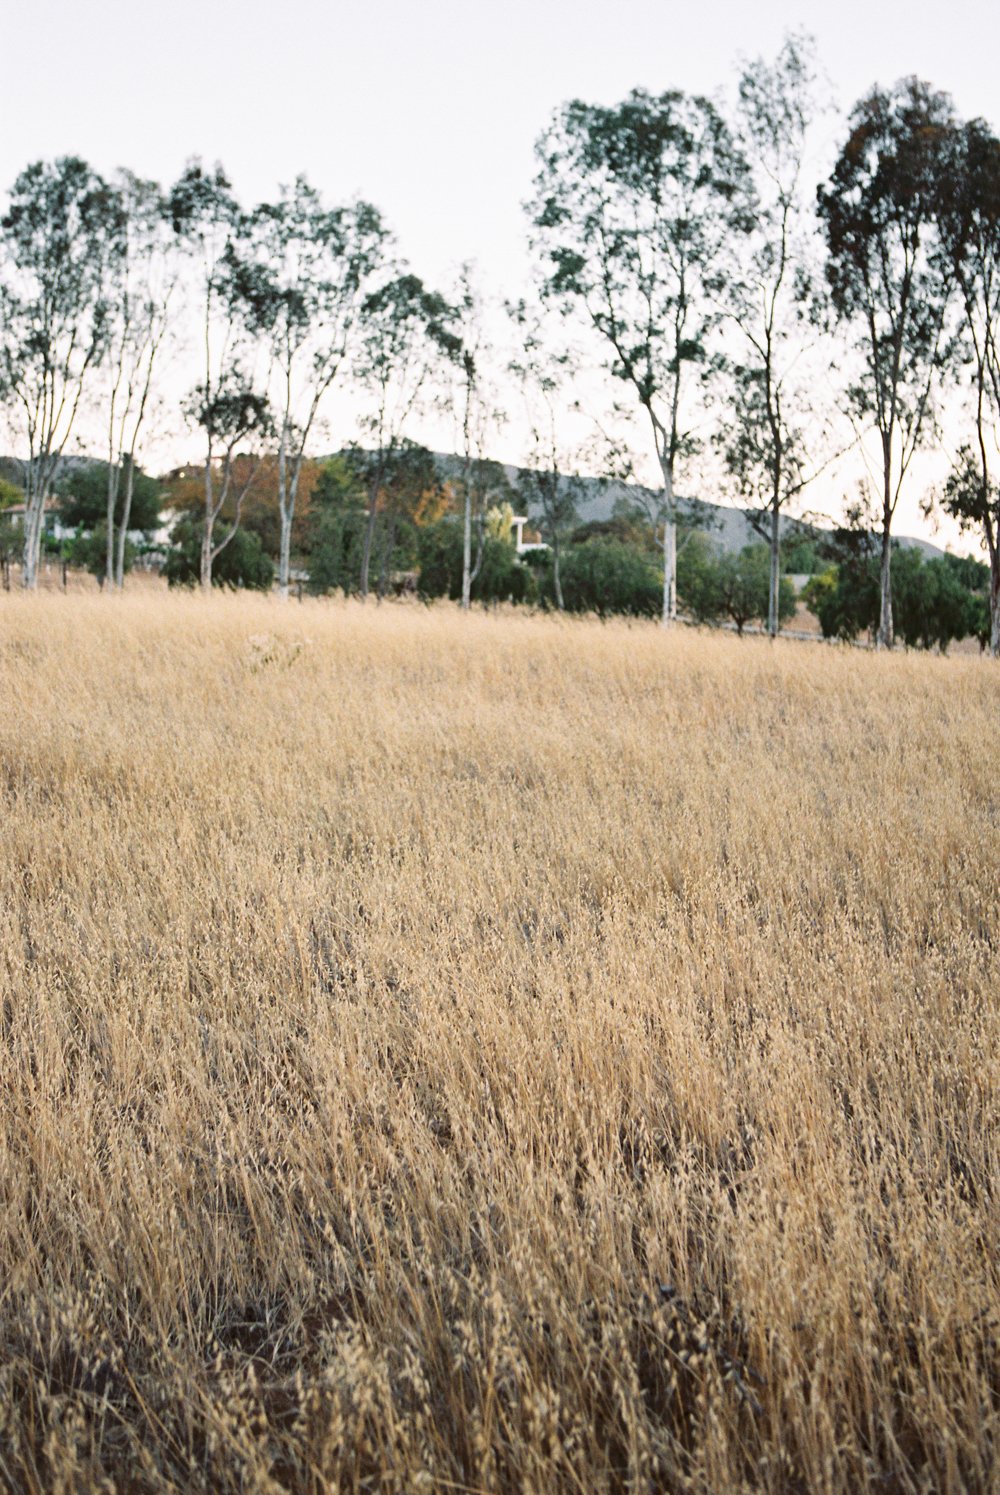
point(490, 1051)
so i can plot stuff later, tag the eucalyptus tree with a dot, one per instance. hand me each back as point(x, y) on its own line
point(303, 270)
point(970, 225)
point(888, 281)
point(144, 285)
point(635, 211)
point(407, 340)
point(61, 239)
point(547, 491)
point(229, 404)
point(231, 415)
point(772, 417)
point(477, 403)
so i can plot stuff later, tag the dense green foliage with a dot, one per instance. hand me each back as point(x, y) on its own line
point(241, 563)
point(83, 498)
point(501, 577)
point(934, 602)
point(10, 494)
point(713, 585)
point(88, 549)
point(607, 576)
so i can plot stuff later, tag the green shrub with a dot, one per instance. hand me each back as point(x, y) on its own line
point(242, 563)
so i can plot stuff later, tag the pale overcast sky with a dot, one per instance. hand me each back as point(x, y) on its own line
point(428, 109)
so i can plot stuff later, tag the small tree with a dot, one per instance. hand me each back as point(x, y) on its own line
point(607, 578)
point(242, 564)
point(302, 271)
point(699, 579)
point(143, 290)
point(635, 210)
point(407, 336)
point(89, 551)
point(83, 499)
point(771, 399)
point(230, 405)
point(479, 480)
point(336, 526)
point(10, 543)
point(745, 587)
point(888, 281)
point(546, 491)
point(62, 237)
point(933, 601)
point(231, 416)
point(411, 493)
point(970, 224)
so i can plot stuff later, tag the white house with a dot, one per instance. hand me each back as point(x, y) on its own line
point(517, 523)
point(52, 522)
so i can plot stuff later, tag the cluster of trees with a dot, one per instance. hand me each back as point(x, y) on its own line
point(687, 243)
point(934, 601)
point(692, 247)
point(604, 567)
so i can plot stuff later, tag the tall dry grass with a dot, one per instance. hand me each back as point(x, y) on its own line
point(485, 1054)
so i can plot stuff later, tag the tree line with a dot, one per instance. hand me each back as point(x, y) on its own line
point(745, 315)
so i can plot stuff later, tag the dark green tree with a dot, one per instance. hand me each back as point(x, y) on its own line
point(970, 224)
point(635, 211)
point(407, 338)
point(229, 405)
point(89, 551)
point(303, 270)
point(335, 534)
point(889, 282)
point(242, 563)
point(545, 490)
point(59, 240)
point(606, 577)
point(932, 603)
point(501, 576)
point(745, 587)
point(699, 579)
point(83, 493)
point(770, 415)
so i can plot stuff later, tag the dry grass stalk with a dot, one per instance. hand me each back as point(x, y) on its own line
point(490, 1054)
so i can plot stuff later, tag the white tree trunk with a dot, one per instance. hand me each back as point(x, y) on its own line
point(885, 632)
point(206, 538)
point(467, 550)
point(284, 512)
point(669, 617)
point(123, 527)
point(34, 517)
point(556, 579)
point(775, 581)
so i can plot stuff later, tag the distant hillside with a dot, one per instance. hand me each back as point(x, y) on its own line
point(729, 527)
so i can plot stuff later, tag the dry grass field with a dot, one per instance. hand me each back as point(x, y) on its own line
point(492, 1054)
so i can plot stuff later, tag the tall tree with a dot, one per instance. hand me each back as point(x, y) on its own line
point(970, 223)
point(481, 416)
point(548, 492)
point(412, 492)
point(62, 235)
point(635, 210)
point(407, 336)
point(303, 271)
point(771, 407)
point(888, 281)
point(144, 286)
point(230, 404)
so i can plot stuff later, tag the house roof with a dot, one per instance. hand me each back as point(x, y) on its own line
point(49, 507)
